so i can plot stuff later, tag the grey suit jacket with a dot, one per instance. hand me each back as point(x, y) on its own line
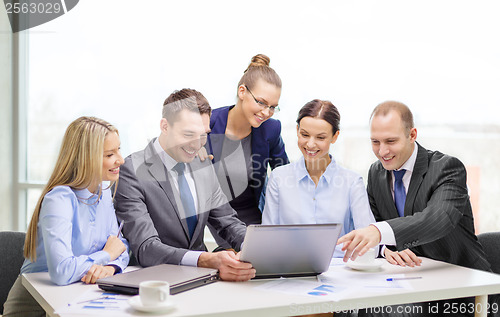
point(154, 224)
point(438, 220)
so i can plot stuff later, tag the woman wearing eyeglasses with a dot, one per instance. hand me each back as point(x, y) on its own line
point(244, 140)
point(315, 189)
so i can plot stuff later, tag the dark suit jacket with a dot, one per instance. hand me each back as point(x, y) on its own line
point(267, 146)
point(438, 220)
point(154, 226)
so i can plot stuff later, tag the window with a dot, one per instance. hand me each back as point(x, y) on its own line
point(119, 62)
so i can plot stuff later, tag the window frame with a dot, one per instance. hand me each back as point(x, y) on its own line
point(20, 181)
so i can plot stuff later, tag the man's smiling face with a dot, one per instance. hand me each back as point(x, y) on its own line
point(186, 135)
point(391, 143)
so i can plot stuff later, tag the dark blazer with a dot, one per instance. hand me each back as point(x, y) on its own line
point(267, 146)
point(438, 220)
point(154, 226)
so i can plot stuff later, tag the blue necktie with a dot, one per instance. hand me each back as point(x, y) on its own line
point(399, 191)
point(186, 198)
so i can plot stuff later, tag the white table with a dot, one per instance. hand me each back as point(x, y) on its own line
point(439, 281)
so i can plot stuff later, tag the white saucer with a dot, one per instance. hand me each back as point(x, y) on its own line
point(136, 303)
point(375, 265)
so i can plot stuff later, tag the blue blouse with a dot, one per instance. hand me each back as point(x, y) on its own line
point(340, 197)
point(73, 228)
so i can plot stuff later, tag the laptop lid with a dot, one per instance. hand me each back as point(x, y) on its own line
point(290, 250)
point(180, 277)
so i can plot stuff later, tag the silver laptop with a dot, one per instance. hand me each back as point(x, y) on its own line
point(180, 277)
point(290, 250)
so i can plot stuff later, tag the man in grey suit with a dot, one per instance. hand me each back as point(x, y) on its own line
point(166, 195)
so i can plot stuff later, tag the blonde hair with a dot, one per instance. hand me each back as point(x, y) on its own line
point(79, 165)
point(259, 69)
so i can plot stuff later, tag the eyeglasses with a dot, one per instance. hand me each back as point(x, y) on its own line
point(272, 109)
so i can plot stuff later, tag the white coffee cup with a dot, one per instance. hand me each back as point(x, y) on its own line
point(154, 293)
point(367, 258)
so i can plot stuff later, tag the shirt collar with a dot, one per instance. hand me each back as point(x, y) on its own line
point(167, 160)
point(85, 194)
point(301, 170)
point(82, 193)
point(410, 162)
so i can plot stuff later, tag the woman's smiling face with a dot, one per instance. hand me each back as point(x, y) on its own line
point(314, 138)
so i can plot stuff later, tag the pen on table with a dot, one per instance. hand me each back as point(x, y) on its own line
point(120, 228)
point(404, 278)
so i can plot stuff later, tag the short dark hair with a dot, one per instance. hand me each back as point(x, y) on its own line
point(186, 98)
point(405, 113)
point(321, 109)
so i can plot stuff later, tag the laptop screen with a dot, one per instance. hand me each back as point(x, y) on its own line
point(290, 250)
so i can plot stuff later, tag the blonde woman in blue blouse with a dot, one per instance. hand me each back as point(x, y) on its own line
point(315, 189)
point(73, 233)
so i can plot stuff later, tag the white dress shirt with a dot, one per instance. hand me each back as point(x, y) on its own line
point(386, 233)
point(191, 257)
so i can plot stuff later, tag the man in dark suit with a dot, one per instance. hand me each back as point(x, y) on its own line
point(166, 195)
point(437, 218)
point(418, 197)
